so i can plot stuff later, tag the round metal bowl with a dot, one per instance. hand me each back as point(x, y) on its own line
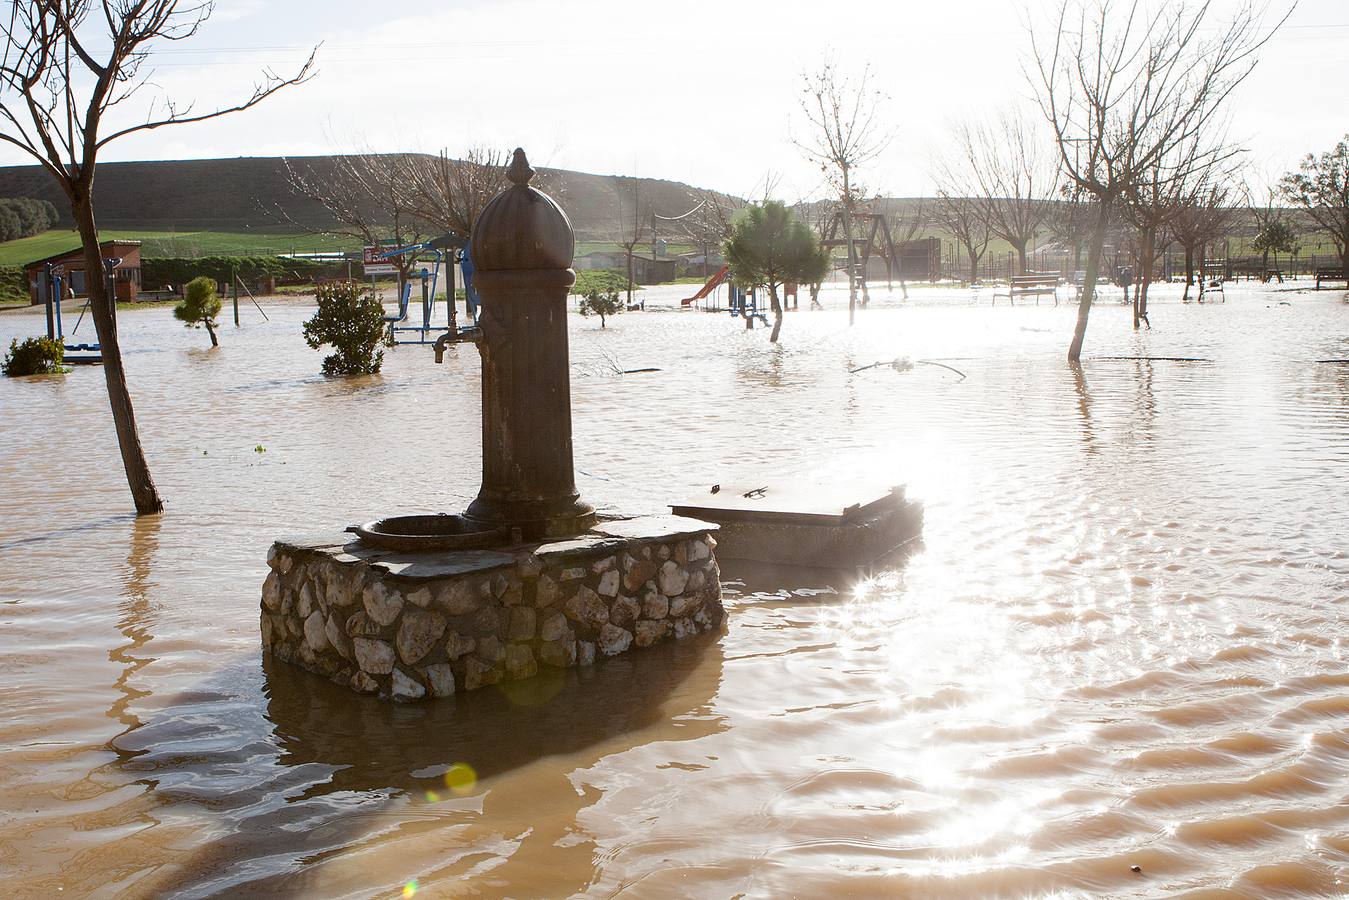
point(416, 533)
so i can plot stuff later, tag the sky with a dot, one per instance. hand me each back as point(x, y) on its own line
point(702, 92)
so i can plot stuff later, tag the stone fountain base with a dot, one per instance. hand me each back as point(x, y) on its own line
point(407, 626)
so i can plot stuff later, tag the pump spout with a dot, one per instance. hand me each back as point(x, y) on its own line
point(439, 346)
point(468, 335)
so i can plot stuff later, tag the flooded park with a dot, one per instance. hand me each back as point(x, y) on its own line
point(1114, 664)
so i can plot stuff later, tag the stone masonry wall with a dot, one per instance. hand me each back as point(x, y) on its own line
point(408, 630)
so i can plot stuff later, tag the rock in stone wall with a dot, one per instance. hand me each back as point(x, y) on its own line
point(343, 614)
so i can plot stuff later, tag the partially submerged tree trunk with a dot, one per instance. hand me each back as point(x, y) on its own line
point(777, 313)
point(210, 329)
point(852, 251)
point(1089, 281)
point(103, 310)
point(1145, 257)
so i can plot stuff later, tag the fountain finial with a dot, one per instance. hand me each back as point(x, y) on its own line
point(521, 227)
point(520, 173)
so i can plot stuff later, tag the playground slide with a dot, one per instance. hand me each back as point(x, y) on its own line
point(712, 284)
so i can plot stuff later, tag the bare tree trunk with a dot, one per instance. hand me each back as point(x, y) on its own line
point(103, 309)
point(1150, 257)
point(210, 329)
point(629, 249)
point(1021, 257)
point(1089, 281)
point(1189, 273)
point(777, 313)
point(974, 266)
point(1144, 268)
point(852, 251)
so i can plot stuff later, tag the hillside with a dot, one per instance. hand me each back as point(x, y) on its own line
point(234, 195)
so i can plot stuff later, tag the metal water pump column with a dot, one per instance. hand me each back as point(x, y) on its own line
point(522, 248)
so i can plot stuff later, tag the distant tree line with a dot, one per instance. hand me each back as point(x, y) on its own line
point(22, 217)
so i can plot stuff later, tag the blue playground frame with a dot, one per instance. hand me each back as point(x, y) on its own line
point(51, 288)
point(427, 332)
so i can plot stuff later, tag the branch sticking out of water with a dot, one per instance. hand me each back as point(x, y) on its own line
point(1156, 358)
point(904, 364)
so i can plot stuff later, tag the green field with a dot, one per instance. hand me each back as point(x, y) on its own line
point(177, 243)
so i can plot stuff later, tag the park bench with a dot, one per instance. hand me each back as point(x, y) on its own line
point(1031, 283)
point(1330, 273)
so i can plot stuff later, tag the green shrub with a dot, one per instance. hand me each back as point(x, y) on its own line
point(602, 304)
point(200, 306)
point(350, 318)
point(13, 285)
point(589, 281)
point(35, 356)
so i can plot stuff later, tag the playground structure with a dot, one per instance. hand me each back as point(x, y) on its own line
point(448, 249)
point(51, 287)
point(740, 303)
point(877, 240)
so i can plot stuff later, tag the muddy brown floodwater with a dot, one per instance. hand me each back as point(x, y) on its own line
point(1121, 644)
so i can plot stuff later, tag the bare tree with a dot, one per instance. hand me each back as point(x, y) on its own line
point(632, 222)
point(69, 72)
point(707, 223)
point(366, 196)
point(1150, 206)
point(1205, 213)
point(844, 134)
point(1321, 189)
point(1123, 86)
point(1069, 219)
point(962, 218)
point(1015, 178)
point(447, 194)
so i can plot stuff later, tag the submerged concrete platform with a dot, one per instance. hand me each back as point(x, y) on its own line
point(816, 525)
point(409, 626)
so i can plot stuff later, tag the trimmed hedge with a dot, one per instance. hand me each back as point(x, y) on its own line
point(177, 271)
point(590, 281)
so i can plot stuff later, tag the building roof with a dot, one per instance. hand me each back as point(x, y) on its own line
point(77, 249)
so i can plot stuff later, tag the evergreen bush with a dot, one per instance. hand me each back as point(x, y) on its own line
point(350, 319)
point(602, 304)
point(35, 356)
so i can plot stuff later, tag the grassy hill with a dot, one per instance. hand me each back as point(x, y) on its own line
point(195, 207)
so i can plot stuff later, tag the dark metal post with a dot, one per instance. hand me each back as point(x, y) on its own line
point(47, 287)
point(522, 252)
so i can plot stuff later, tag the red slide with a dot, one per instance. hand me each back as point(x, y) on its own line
point(707, 288)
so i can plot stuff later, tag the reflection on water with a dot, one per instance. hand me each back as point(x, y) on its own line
point(1118, 644)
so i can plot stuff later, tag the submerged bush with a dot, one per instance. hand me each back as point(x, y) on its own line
point(350, 319)
point(35, 356)
point(602, 304)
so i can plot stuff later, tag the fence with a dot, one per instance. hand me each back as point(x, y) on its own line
point(1001, 266)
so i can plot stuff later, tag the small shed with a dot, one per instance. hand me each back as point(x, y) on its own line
point(69, 266)
point(601, 259)
point(646, 270)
